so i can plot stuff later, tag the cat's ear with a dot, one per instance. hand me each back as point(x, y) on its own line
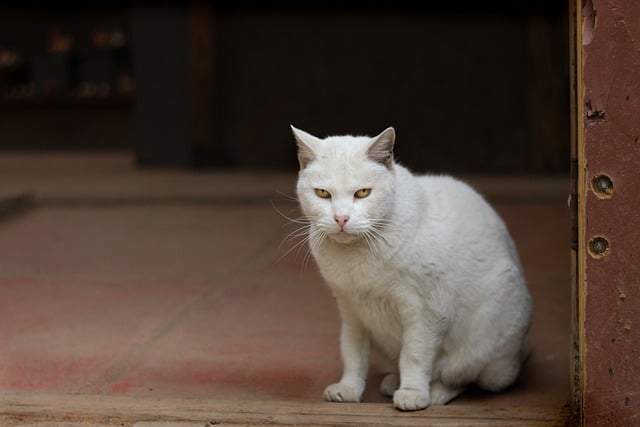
point(381, 148)
point(305, 141)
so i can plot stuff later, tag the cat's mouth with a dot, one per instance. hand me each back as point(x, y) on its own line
point(343, 236)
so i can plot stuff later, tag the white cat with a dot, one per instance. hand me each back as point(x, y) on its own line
point(422, 269)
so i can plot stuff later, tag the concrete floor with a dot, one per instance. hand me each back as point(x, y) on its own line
point(158, 285)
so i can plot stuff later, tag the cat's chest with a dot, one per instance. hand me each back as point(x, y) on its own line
point(379, 310)
point(355, 269)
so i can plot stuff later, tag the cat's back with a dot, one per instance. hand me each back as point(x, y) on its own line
point(460, 216)
point(449, 190)
point(452, 197)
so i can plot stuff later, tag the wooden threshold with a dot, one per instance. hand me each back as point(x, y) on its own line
point(126, 410)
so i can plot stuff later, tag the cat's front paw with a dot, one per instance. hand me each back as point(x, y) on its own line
point(341, 393)
point(407, 399)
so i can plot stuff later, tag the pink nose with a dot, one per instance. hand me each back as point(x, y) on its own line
point(341, 220)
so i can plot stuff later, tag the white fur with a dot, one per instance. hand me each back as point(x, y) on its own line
point(424, 271)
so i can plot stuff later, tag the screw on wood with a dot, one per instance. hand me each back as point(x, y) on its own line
point(599, 247)
point(602, 186)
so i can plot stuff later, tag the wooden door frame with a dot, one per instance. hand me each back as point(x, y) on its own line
point(605, 62)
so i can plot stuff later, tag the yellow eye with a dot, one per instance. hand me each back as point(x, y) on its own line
point(322, 193)
point(361, 194)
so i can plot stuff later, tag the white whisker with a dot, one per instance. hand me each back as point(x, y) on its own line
point(375, 236)
point(305, 234)
point(288, 196)
point(316, 237)
point(368, 239)
point(299, 220)
point(298, 232)
point(298, 245)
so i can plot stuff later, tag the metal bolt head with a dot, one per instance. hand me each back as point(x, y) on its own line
point(602, 186)
point(599, 247)
point(604, 183)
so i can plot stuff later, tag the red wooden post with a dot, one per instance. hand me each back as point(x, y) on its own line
point(608, 149)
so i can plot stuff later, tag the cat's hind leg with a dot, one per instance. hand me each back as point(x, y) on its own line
point(390, 383)
point(500, 373)
point(441, 394)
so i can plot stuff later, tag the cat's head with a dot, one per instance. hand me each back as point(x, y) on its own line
point(346, 184)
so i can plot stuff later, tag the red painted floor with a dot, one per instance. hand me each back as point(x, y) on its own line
point(192, 297)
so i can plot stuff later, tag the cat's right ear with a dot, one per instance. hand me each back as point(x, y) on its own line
point(304, 141)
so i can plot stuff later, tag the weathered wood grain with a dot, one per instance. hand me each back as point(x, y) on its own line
point(124, 410)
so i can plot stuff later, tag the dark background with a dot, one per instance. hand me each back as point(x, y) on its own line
point(471, 87)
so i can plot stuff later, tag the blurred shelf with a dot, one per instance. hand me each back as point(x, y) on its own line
point(65, 102)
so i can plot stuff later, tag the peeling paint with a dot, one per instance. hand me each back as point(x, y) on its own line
point(593, 114)
point(588, 22)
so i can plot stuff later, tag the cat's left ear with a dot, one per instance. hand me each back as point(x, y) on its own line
point(381, 148)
